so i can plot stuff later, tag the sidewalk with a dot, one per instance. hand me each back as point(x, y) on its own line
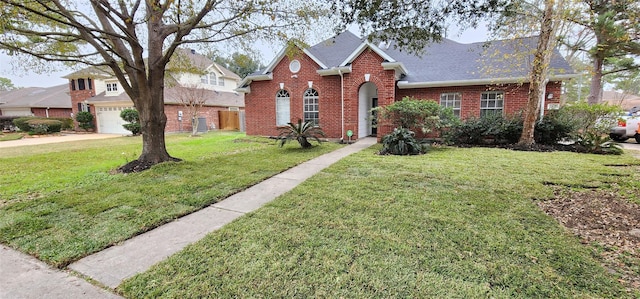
point(55, 139)
point(115, 264)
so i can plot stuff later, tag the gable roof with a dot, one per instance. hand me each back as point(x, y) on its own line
point(447, 63)
point(196, 60)
point(214, 98)
point(36, 97)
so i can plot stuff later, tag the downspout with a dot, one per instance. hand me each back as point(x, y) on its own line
point(47, 112)
point(341, 102)
point(544, 99)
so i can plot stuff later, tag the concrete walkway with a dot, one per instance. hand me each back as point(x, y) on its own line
point(115, 264)
point(55, 139)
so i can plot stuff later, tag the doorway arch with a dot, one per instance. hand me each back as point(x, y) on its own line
point(367, 100)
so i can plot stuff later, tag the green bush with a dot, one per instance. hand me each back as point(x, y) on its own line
point(555, 126)
point(410, 113)
point(401, 142)
point(492, 128)
point(85, 120)
point(133, 118)
point(22, 124)
point(40, 126)
point(6, 123)
point(67, 122)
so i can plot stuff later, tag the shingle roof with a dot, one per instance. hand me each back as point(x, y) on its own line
point(202, 62)
point(199, 61)
point(444, 63)
point(37, 97)
point(214, 98)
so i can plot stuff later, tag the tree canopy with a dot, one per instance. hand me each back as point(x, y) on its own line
point(6, 84)
point(136, 39)
point(414, 23)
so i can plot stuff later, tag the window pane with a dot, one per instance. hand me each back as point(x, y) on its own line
point(282, 108)
point(311, 106)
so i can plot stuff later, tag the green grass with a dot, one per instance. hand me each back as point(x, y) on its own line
point(59, 202)
point(10, 136)
point(455, 223)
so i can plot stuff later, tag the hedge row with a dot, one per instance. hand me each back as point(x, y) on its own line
point(37, 125)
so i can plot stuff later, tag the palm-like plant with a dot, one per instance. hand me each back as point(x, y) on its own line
point(300, 132)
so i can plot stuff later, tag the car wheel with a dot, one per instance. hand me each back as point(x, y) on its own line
point(637, 137)
point(618, 138)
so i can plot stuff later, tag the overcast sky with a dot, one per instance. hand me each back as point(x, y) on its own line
point(9, 66)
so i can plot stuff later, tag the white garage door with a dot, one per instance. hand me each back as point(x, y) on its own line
point(109, 120)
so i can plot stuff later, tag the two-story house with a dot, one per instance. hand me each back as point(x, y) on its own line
point(96, 90)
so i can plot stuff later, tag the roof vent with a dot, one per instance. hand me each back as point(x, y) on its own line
point(381, 44)
point(193, 51)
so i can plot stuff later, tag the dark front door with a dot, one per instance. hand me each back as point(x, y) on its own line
point(374, 117)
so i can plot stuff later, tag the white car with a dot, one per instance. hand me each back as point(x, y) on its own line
point(627, 128)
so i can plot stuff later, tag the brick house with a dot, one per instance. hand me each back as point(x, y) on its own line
point(96, 90)
point(336, 82)
point(36, 101)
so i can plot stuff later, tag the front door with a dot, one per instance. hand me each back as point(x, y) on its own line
point(374, 117)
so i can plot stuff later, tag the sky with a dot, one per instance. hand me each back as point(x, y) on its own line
point(10, 66)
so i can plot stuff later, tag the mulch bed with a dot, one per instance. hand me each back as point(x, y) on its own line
point(605, 218)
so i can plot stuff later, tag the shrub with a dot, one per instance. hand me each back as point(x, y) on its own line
point(555, 126)
point(22, 124)
point(67, 122)
point(133, 118)
point(39, 126)
point(490, 129)
point(300, 132)
point(411, 113)
point(401, 142)
point(85, 120)
point(6, 123)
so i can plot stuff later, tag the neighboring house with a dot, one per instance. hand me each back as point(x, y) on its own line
point(628, 102)
point(336, 83)
point(96, 90)
point(36, 101)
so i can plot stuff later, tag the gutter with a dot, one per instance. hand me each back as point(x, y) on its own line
point(408, 85)
point(335, 71)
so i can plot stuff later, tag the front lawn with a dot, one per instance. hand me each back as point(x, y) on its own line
point(59, 202)
point(454, 223)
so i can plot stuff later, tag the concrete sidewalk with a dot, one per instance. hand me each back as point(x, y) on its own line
point(55, 139)
point(115, 264)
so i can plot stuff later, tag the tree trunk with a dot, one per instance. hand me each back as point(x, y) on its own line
point(539, 74)
point(595, 92)
point(195, 123)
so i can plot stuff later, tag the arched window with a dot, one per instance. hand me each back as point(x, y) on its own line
point(283, 115)
point(311, 106)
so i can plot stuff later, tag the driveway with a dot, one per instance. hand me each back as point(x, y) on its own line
point(55, 139)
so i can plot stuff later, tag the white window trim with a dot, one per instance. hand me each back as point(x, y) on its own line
point(283, 111)
point(451, 103)
point(499, 96)
point(311, 95)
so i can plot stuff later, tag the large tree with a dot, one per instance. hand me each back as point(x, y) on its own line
point(136, 40)
point(413, 23)
point(6, 84)
point(615, 47)
point(544, 19)
point(239, 63)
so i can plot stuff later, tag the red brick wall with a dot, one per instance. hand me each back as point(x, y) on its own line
point(515, 96)
point(53, 112)
point(261, 104)
point(78, 96)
